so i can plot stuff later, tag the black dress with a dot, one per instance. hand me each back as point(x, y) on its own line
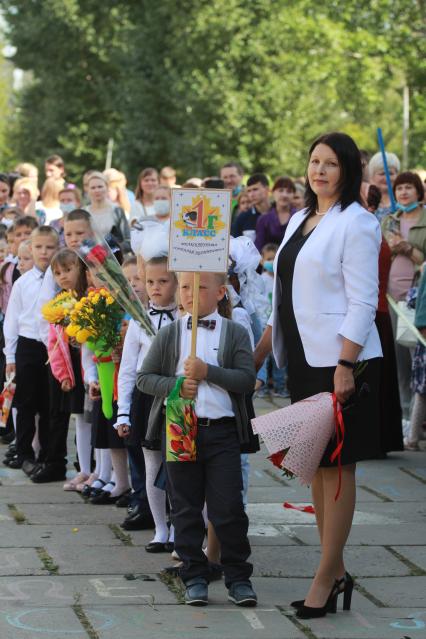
point(362, 420)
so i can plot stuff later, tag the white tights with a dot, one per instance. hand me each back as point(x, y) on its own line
point(83, 432)
point(156, 496)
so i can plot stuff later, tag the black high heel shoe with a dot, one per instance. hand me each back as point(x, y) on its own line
point(307, 612)
point(345, 585)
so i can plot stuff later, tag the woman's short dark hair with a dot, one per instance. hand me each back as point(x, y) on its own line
point(349, 159)
point(408, 177)
point(284, 183)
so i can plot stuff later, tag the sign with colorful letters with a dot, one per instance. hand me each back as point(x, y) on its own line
point(199, 230)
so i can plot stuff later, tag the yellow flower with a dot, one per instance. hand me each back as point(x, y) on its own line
point(96, 298)
point(103, 292)
point(83, 335)
point(109, 300)
point(72, 330)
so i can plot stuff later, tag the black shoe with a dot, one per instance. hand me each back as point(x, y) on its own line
point(8, 437)
point(30, 466)
point(346, 585)
point(11, 451)
point(14, 462)
point(48, 473)
point(124, 500)
point(140, 521)
point(89, 491)
point(196, 593)
point(307, 612)
point(156, 547)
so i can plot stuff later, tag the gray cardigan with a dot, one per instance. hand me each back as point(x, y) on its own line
point(235, 372)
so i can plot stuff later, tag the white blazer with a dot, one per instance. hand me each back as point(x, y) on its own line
point(335, 286)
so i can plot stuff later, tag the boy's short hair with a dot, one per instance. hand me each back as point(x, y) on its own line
point(271, 246)
point(45, 231)
point(257, 178)
point(130, 260)
point(78, 215)
point(25, 220)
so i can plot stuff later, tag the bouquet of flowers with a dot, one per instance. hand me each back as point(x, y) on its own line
point(101, 262)
point(57, 310)
point(95, 321)
point(181, 427)
point(297, 435)
point(6, 399)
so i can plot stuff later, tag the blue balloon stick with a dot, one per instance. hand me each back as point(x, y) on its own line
point(386, 169)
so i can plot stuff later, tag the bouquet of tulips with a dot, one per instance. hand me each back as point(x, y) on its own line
point(181, 426)
point(95, 321)
point(102, 263)
point(57, 310)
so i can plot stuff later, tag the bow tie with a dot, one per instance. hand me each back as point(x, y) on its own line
point(161, 311)
point(209, 324)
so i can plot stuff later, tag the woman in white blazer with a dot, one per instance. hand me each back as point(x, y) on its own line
point(322, 324)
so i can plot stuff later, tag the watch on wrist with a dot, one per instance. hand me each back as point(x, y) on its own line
point(347, 364)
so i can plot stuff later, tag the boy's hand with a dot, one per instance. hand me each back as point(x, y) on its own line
point(66, 385)
point(10, 371)
point(123, 430)
point(94, 391)
point(195, 368)
point(189, 389)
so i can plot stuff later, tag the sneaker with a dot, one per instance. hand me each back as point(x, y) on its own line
point(409, 445)
point(262, 393)
point(196, 593)
point(281, 392)
point(242, 594)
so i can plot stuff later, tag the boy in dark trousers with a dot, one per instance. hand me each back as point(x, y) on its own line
point(218, 378)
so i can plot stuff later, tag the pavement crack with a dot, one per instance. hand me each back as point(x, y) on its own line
point(376, 493)
point(272, 474)
point(309, 634)
point(365, 593)
point(174, 585)
point(415, 571)
point(122, 536)
point(17, 515)
point(83, 618)
point(47, 561)
point(413, 475)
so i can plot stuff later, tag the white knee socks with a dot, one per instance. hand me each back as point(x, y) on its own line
point(156, 496)
point(83, 431)
point(119, 463)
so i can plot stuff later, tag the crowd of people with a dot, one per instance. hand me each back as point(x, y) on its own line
point(121, 461)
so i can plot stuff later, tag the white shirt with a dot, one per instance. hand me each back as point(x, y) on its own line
point(137, 210)
point(22, 312)
point(48, 290)
point(136, 346)
point(212, 401)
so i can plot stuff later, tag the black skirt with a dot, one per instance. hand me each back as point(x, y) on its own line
point(139, 413)
point(362, 438)
point(104, 434)
point(73, 402)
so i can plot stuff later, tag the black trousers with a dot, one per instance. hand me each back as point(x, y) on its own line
point(215, 478)
point(32, 396)
point(59, 420)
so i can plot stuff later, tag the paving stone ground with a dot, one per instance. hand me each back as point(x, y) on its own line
point(65, 571)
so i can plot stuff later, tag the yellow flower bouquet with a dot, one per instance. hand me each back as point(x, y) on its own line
point(58, 310)
point(95, 321)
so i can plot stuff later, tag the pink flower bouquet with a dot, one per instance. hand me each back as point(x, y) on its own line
point(296, 436)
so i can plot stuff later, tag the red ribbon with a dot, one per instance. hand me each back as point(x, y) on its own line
point(104, 360)
point(301, 509)
point(340, 437)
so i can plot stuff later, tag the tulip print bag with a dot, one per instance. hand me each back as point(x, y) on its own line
point(181, 426)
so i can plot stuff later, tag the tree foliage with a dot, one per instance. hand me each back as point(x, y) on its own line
point(202, 82)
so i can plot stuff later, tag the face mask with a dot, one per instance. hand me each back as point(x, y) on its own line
point(162, 207)
point(408, 208)
point(268, 266)
point(67, 207)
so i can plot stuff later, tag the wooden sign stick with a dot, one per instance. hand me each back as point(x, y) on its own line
point(195, 298)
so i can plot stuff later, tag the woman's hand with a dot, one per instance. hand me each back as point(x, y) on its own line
point(263, 348)
point(344, 383)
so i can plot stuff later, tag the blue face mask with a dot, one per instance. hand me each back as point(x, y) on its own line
point(408, 208)
point(268, 266)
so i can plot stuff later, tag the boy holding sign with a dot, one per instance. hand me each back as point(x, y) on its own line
point(217, 378)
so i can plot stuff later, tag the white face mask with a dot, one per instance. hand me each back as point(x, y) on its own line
point(162, 207)
point(67, 207)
